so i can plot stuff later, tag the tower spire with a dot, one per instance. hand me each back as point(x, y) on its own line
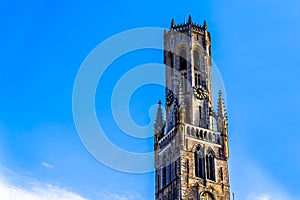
point(221, 115)
point(221, 106)
point(205, 24)
point(190, 19)
point(159, 123)
point(222, 125)
point(172, 23)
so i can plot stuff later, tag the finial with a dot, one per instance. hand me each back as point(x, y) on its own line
point(220, 93)
point(172, 23)
point(204, 24)
point(159, 102)
point(190, 19)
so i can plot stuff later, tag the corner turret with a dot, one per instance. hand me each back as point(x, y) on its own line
point(222, 125)
point(159, 125)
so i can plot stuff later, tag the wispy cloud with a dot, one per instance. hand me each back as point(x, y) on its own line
point(107, 195)
point(255, 196)
point(15, 187)
point(256, 184)
point(47, 165)
point(264, 197)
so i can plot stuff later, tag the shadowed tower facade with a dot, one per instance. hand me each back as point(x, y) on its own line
point(191, 144)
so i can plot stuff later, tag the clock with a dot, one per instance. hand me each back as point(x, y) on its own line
point(170, 97)
point(200, 92)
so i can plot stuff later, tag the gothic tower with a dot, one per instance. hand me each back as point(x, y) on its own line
point(191, 146)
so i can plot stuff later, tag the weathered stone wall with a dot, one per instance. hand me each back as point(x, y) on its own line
point(193, 186)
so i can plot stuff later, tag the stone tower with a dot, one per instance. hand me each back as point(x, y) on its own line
point(191, 145)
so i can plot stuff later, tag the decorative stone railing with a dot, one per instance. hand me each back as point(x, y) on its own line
point(202, 133)
point(194, 132)
point(167, 138)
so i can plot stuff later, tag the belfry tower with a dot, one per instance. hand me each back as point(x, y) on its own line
point(191, 145)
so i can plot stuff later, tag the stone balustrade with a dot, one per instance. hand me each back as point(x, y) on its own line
point(192, 131)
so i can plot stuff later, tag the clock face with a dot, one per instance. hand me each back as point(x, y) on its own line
point(170, 97)
point(200, 92)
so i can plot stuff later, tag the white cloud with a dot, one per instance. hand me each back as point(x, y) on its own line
point(254, 196)
point(250, 182)
point(47, 165)
point(11, 192)
point(107, 195)
point(264, 197)
point(15, 187)
point(25, 188)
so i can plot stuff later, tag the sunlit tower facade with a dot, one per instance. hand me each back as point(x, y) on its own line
point(191, 144)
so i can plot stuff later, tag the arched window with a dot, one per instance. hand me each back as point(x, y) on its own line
point(199, 162)
point(196, 60)
point(207, 196)
point(210, 165)
point(183, 62)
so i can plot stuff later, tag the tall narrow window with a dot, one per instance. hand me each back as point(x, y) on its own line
point(210, 164)
point(186, 143)
point(164, 176)
point(167, 174)
point(158, 182)
point(175, 168)
point(221, 174)
point(199, 163)
point(196, 164)
point(204, 85)
point(197, 78)
point(196, 60)
point(200, 115)
point(187, 171)
point(170, 173)
point(187, 166)
point(183, 62)
point(170, 61)
point(184, 81)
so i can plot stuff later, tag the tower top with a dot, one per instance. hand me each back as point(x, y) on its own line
point(189, 25)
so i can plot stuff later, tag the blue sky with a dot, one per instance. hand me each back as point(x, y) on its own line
point(255, 45)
